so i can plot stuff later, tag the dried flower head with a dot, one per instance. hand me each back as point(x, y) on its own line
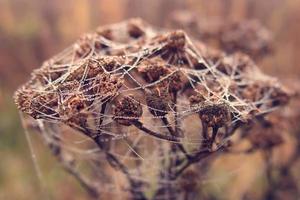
point(127, 110)
point(247, 36)
point(175, 41)
point(168, 76)
point(265, 136)
point(103, 82)
point(136, 28)
point(214, 115)
point(158, 101)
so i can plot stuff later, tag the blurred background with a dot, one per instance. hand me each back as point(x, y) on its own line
point(32, 31)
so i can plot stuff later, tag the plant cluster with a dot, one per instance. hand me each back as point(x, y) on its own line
point(151, 104)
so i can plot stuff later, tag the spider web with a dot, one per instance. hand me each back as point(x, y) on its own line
point(136, 91)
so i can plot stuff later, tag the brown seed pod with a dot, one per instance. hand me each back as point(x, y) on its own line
point(127, 110)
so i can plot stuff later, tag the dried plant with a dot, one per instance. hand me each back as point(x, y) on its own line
point(247, 36)
point(148, 106)
point(269, 134)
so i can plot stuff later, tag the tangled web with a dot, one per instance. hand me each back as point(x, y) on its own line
point(141, 104)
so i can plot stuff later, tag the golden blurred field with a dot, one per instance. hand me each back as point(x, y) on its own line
point(32, 31)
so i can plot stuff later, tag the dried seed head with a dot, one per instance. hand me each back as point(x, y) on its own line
point(136, 28)
point(127, 110)
point(279, 96)
point(158, 101)
point(259, 90)
point(169, 67)
point(79, 119)
point(264, 137)
point(210, 55)
point(176, 40)
point(84, 46)
point(105, 86)
point(90, 68)
point(249, 37)
point(71, 100)
point(110, 63)
point(170, 78)
point(152, 71)
point(214, 115)
point(41, 105)
point(175, 81)
point(106, 32)
point(46, 74)
point(196, 99)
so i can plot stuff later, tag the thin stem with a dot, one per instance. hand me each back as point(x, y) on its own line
point(173, 133)
point(177, 129)
point(168, 126)
point(214, 135)
point(114, 162)
point(140, 126)
point(54, 144)
point(204, 144)
point(199, 156)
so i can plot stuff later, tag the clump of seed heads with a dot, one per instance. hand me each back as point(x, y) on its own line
point(130, 85)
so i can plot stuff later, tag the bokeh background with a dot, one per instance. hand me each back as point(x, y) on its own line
point(32, 31)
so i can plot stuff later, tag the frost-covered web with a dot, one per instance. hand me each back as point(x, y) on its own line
point(145, 104)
